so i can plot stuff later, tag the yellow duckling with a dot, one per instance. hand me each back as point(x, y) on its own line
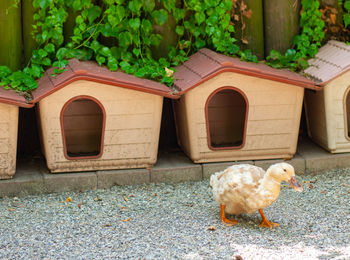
point(247, 188)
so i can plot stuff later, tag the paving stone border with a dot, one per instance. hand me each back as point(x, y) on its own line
point(32, 177)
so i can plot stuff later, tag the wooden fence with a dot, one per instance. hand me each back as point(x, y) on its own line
point(270, 25)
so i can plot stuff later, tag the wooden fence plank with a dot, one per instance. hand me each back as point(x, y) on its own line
point(281, 22)
point(11, 38)
point(29, 43)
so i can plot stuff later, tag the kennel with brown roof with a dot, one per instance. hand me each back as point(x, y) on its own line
point(10, 102)
point(95, 119)
point(328, 110)
point(233, 110)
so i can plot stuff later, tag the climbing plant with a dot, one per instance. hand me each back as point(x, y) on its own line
point(346, 15)
point(130, 26)
point(306, 44)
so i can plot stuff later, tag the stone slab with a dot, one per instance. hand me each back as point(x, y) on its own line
point(317, 159)
point(32, 176)
point(22, 185)
point(210, 168)
point(175, 168)
point(107, 179)
point(59, 182)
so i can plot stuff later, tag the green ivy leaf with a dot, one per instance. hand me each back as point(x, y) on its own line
point(77, 5)
point(125, 38)
point(42, 53)
point(61, 54)
point(95, 46)
point(200, 17)
point(126, 56)
point(179, 14)
point(46, 61)
point(105, 51)
point(148, 5)
point(274, 55)
point(346, 18)
point(160, 16)
point(168, 81)
point(113, 20)
point(93, 13)
point(136, 51)
point(60, 64)
point(50, 48)
point(146, 26)
point(120, 12)
point(347, 5)
point(134, 23)
point(124, 65)
point(290, 53)
point(199, 43)
point(156, 39)
point(4, 71)
point(112, 63)
point(43, 4)
point(100, 59)
point(303, 63)
point(142, 72)
point(180, 30)
point(135, 6)
point(45, 35)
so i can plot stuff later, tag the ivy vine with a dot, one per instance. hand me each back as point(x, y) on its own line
point(306, 44)
point(346, 16)
point(130, 26)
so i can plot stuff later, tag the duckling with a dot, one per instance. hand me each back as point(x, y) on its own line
point(247, 188)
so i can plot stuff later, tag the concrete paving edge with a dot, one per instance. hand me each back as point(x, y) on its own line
point(171, 167)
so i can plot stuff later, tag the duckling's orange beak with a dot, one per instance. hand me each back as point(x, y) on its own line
point(295, 185)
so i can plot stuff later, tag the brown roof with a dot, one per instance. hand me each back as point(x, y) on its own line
point(88, 70)
point(13, 98)
point(332, 60)
point(205, 64)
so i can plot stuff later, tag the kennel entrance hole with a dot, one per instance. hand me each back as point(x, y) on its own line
point(83, 121)
point(226, 119)
point(347, 112)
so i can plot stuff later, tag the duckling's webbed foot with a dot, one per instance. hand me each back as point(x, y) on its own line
point(224, 220)
point(265, 222)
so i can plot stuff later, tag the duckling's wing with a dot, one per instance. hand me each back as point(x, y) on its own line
point(240, 179)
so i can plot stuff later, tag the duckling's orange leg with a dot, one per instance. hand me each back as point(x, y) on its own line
point(224, 220)
point(265, 222)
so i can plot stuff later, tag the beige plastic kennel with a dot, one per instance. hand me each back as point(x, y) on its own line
point(233, 110)
point(9, 106)
point(328, 110)
point(95, 119)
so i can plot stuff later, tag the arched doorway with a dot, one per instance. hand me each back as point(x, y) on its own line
point(347, 113)
point(82, 123)
point(226, 114)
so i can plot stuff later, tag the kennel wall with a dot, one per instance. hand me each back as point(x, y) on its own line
point(232, 110)
point(328, 110)
point(9, 107)
point(95, 119)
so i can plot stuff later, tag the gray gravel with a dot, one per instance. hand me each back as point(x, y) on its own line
point(165, 221)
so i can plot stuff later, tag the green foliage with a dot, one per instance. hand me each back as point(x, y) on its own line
point(131, 25)
point(306, 43)
point(346, 15)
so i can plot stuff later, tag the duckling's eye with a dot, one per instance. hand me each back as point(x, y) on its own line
point(284, 170)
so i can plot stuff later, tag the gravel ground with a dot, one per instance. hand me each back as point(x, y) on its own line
point(167, 221)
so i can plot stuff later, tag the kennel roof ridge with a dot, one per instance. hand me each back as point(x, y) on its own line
point(331, 61)
point(11, 97)
point(205, 64)
point(91, 71)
